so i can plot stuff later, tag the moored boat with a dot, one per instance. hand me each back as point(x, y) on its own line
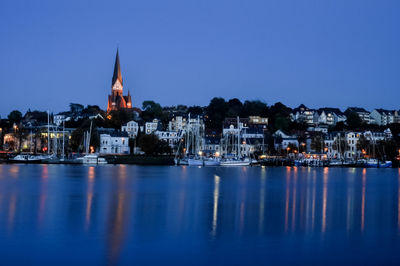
point(235, 162)
point(372, 163)
point(91, 159)
point(212, 161)
point(385, 164)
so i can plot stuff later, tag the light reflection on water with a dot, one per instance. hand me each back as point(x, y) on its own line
point(122, 214)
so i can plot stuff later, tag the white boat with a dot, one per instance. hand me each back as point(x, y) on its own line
point(26, 158)
point(91, 159)
point(373, 163)
point(386, 164)
point(183, 161)
point(212, 161)
point(195, 162)
point(235, 162)
point(335, 162)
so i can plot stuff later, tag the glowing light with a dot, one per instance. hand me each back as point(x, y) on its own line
point(217, 154)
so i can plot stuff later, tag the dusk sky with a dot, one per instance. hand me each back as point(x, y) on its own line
point(320, 53)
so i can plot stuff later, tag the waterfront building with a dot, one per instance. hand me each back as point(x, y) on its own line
point(132, 128)
point(116, 100)
point(114, 143)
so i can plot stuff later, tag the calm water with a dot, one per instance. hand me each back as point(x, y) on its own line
point(63, 215)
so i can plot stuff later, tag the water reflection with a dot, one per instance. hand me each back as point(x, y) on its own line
point(215, 206)
point(89, 197)
point(115, 210)
point(324, 197)
point(119, 212)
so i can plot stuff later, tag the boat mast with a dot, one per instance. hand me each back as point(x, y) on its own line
point(88, 137)
point(48, 132)
point(63, 139)
point(238, 138)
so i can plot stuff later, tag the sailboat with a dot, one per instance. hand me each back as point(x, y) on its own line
point(90, 158)
point(236, 160)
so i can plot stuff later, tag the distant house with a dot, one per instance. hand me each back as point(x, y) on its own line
point(303, 114)
point(383, 117)
point(330, 116)
point(362, 113)
point(283, 140)
point(132, 128)
point(114, 143)
point(258, 120)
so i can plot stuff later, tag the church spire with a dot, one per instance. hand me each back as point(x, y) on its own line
point(117, 71)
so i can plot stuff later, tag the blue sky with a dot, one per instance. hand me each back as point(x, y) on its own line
point(320, 53)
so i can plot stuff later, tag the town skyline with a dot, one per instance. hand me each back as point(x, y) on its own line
point(320, 55)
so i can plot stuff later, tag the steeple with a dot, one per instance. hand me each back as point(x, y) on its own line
point(117, 71)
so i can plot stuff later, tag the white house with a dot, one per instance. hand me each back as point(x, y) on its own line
point(132, 128)
point(304, 114)
point(177, 123)
point(114, 143)
point(59, 118)
point(286, 140)
point(171, 137)
point(151, 127)
point(330, 116)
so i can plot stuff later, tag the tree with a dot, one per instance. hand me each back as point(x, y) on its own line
point(148, 143)
point(353, 120)
point(216, 113)
point(151, 110)
point(15, 116)
point(387, 149)
point(76, 108)
point(116, 118)
point(256, 107)
point(279, 116)
point(195, 110)
point(363, 144)
point(317, 143)
point(340, 144)
point(77, 136)
point(234, 108)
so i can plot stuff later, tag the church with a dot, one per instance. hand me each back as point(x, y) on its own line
point(116, 100)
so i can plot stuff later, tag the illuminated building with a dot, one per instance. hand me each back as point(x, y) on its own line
point(116, 100)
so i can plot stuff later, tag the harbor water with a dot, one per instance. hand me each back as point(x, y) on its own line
point(152, 215)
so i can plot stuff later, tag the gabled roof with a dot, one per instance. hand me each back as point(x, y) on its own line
point(117, 71)
point(384, 111)
point(357, 110)
point(330, 110)
point(301, 108)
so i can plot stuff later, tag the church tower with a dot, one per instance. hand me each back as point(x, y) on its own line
point(116, 100)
